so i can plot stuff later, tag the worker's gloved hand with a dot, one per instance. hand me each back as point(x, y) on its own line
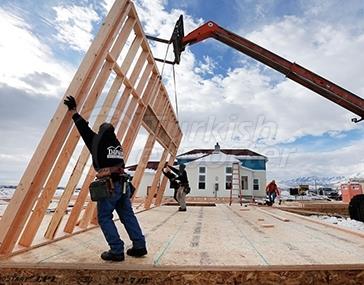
point(70, 102)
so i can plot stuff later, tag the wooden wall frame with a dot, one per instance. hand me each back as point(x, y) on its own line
point(144, 102)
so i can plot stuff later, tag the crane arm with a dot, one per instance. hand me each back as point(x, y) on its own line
point(297, 73)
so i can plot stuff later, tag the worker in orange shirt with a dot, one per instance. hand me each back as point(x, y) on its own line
point(272, 191)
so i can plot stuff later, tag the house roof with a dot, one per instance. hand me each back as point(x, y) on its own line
point(208, 155)
point(217, 157)
point(150, 165)
point(238, 153)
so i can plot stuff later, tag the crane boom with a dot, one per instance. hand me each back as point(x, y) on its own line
point(297, 73)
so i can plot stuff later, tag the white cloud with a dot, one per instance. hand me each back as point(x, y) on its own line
point(246, 94)
point(26, 62)
point(107, 4)
point(74, 26)
point(341, 162)
point(161, 24)
point(207, 66)
point(215, 108)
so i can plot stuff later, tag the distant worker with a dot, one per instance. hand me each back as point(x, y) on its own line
point(183, 188)
point(108, 161)
point(272, 192)
point(173, 183)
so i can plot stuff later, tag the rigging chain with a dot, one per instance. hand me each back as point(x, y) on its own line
point(174, 79)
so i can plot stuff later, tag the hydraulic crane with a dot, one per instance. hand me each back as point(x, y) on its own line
point(297, 73)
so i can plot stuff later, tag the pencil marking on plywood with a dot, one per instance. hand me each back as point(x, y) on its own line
point(197, 230)
point(244, 236)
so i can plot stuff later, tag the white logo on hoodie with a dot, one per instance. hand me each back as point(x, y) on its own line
point(115, 152)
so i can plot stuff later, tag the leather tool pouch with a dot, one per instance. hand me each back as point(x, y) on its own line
point(101, 188)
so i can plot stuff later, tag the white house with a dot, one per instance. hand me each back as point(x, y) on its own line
point(210, 172)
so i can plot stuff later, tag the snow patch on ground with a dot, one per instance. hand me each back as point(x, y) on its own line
point(345, 222)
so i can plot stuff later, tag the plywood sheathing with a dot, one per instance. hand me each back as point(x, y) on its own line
point(207, 245)
point(75, 274)
point(215, 236)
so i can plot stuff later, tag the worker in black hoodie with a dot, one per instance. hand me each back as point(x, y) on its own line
point(107, 157)
point(173, 183)
point(183, 188)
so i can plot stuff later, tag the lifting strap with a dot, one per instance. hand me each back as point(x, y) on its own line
point(174, 78)
point(175, 91)
point(164, 60)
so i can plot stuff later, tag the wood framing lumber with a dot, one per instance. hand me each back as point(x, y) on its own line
point(135, 125)
point(156, 180)
point(90, 206)
point(163, 184)
point(147, 150)
point(131, 54)
point(284, 219)
point(94, 219)
point(81, 162)
point(87, 215)
point(133, 103)
point(76, 210)
point(123, 35)
point(71, 144)
point(41, 163)
point(62, 162)
point(79, 203)
point(145, 156)
point(67, 193)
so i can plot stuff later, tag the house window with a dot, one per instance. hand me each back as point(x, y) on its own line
point(228, 178)
point(202, 178)
point(202, 182)
point(255, 184)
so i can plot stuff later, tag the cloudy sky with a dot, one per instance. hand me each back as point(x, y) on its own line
point(223, 95)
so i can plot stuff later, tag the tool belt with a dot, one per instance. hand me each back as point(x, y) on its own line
point(109, 171)
point(101, 188)
point(186, 188)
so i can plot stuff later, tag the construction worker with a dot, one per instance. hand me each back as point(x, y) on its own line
point(272, 192)
point(184, 188)
point(173, 183)
point(107, 158)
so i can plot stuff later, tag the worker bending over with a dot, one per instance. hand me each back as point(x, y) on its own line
point(108, 161)
point(183, 188)
point(272, 192)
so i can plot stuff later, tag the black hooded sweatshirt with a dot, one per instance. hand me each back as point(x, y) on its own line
point(104, 147)
point(182, 175)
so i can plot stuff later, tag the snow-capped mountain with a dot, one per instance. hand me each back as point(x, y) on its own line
point(314, 181)
point(359, 175)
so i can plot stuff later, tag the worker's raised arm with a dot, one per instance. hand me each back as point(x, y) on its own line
point(83, 128)
point(175, 170)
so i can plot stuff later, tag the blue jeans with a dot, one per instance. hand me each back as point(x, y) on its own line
point(272, 196)
point(121, 203)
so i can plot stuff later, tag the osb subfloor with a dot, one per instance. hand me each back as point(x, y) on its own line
point(205, 245)
point(215, 236)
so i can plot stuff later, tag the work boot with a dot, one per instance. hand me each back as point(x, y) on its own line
point(136, 252)
point(182, 209)
point(108, 255)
